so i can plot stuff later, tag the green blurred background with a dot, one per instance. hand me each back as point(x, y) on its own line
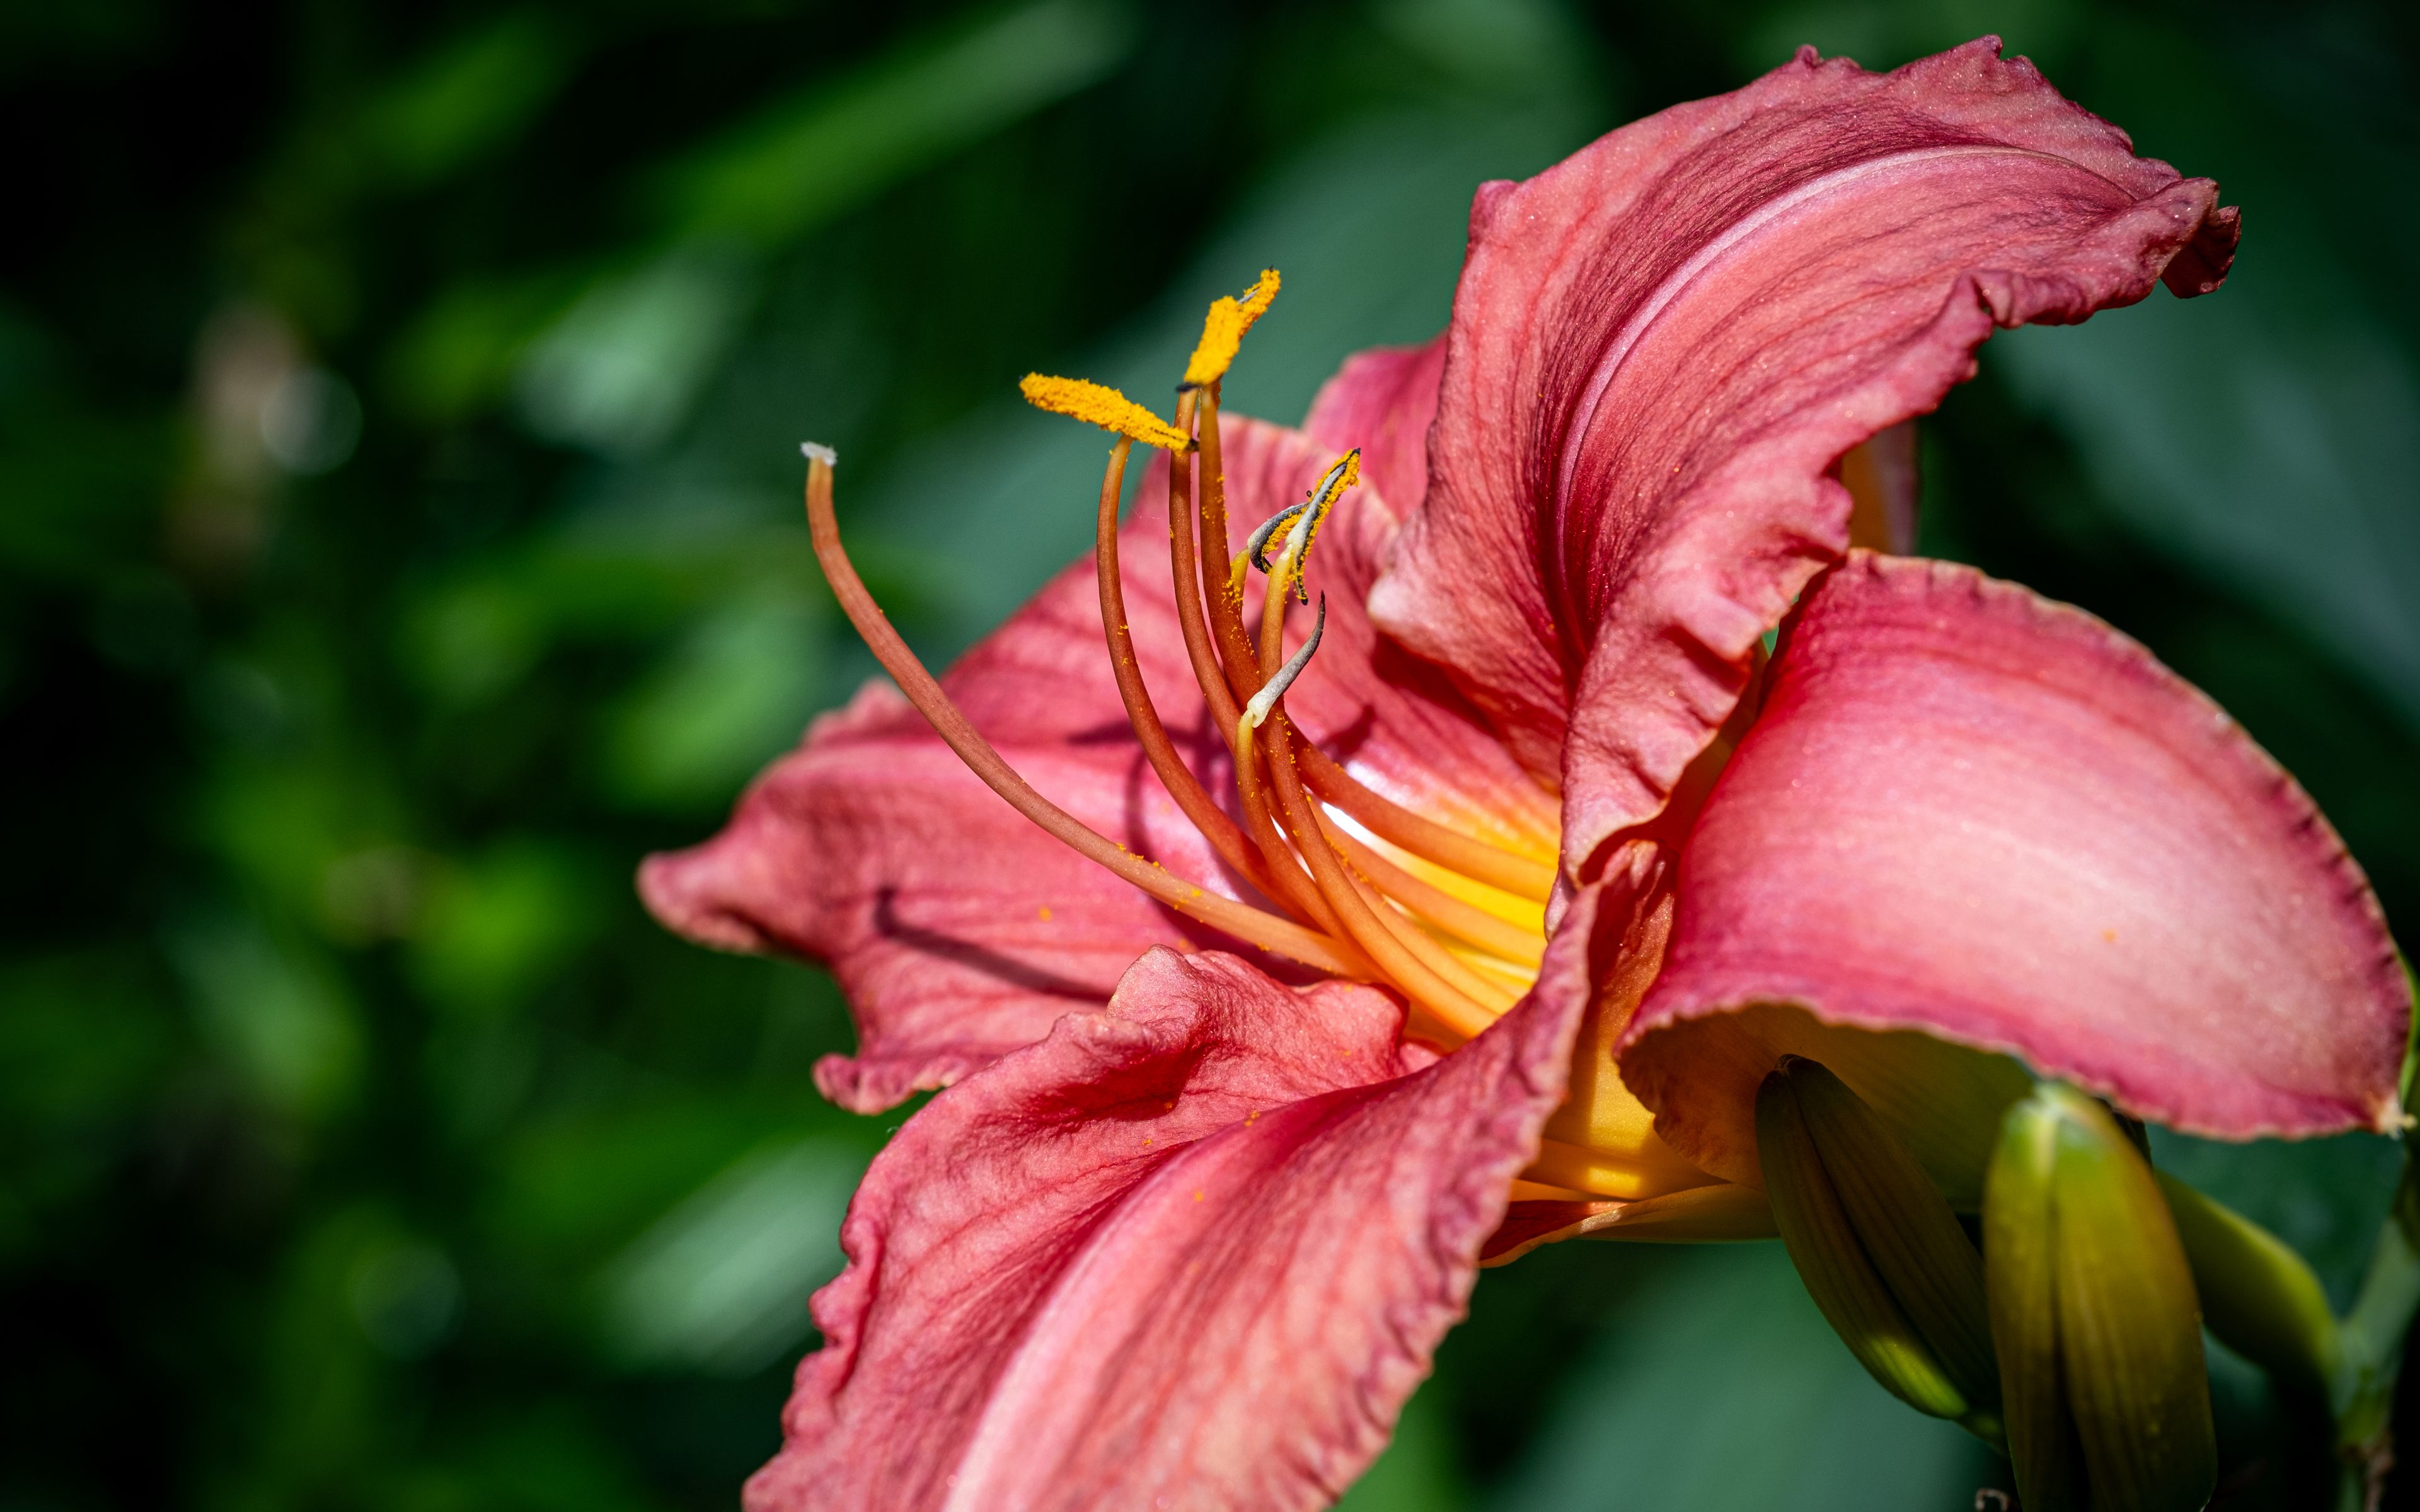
point(399, 537)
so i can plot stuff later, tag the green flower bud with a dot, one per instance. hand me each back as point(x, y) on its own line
point(2020, 1241)
point(1906, 1224)
point(1880, 1252)
point(2104, 1388)
point(2256, 1295)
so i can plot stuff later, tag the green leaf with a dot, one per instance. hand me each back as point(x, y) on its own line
point(807, 157)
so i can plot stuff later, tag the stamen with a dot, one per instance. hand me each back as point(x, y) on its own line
point(1079, 398)
point(1523, 876)
point(1366, 904)
point(1143, 716)
point(817, 452)
point(1258, 543)
point(1300, 892)
point(1252, 925)
point(1222, 331)
point(1457, 916)
point(1307, 516)
point(1104, 407)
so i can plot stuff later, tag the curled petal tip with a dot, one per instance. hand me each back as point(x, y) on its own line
point(691, 893)
point(1764, 280)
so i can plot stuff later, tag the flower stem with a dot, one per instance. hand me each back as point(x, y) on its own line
point(2372, 1337)
point(2373, 1333)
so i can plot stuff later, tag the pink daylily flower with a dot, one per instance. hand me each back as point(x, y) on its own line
point(1189, 1218)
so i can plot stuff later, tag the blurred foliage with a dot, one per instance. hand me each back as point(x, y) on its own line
point(398, 408)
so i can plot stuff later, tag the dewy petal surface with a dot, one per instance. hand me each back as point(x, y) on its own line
point(1192, 1252)
point(1968, 810)
point(1662, 346)
point(960, 931)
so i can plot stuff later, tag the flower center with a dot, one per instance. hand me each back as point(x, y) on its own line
point(1355, 885)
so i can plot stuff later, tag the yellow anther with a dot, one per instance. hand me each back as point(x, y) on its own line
point(1104, 407)
point(1257, 298)
point(1342, 475)
point(1222, 336)
point(1223, 327)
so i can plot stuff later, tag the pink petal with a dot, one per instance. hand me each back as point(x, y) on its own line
point(1661, 346)
point(960, 931)
point(1973, 812)
point(1382, 401)
point(1191, 1252)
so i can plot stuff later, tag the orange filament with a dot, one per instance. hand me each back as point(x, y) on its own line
point(1493, 994)
point(1269, 932)
point(1406, 972)
point(1225, 702)
point(1510, 871)
point(1457, 916)
point(1423, 974)
point(1224, 712)
point(1523, 876)
point(1274, 874)
point(1149, 732)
